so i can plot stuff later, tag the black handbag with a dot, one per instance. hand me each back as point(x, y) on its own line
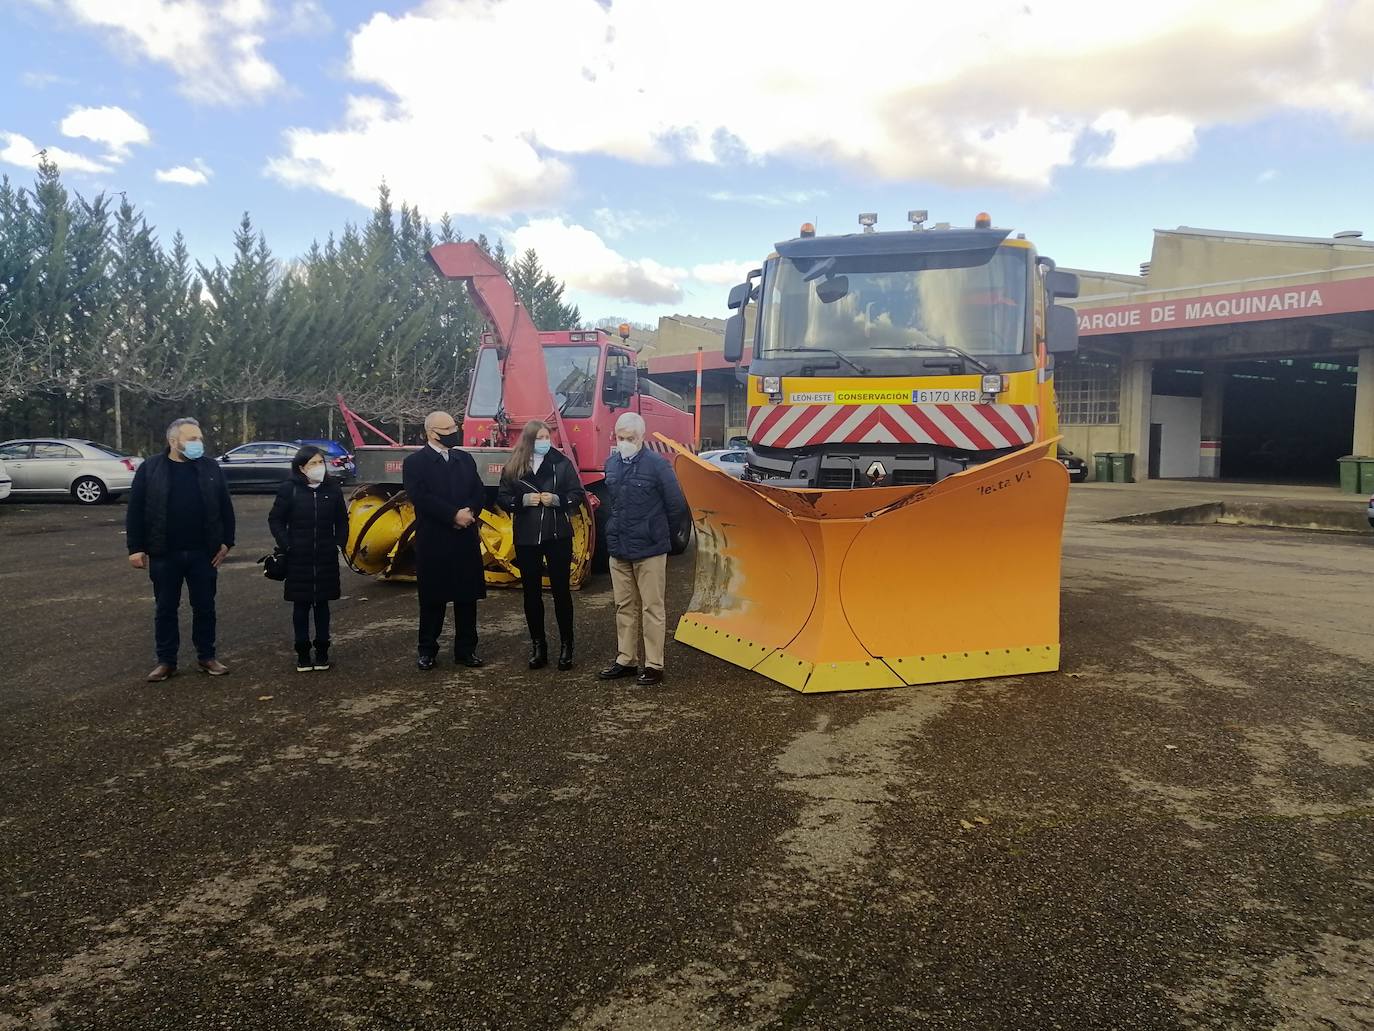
point(274, 565)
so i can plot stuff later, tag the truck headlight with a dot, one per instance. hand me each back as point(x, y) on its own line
point(772, 384)
point(994, 384)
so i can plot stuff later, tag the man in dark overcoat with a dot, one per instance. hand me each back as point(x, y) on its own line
point(443, 485)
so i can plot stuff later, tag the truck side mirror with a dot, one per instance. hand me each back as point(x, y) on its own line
point(734, 334)
point(618, 389)
point(1061, 284)
point(1061, 336)
point(739, 296)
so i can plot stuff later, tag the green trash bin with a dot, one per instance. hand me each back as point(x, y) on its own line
point(1102, 467)
point(1366, 475)
point(1123, 467)
point(1350, 474)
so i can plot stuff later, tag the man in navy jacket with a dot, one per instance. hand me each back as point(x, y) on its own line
point(648, 512)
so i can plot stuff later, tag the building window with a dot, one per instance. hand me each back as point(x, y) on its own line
point(1088, 390)
point(735, 398)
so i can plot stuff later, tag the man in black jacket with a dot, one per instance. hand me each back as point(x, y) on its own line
point(443, 485)
point(180, 527)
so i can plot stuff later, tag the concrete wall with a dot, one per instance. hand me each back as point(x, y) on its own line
point(677, 337)
point(1180, 258)
point(1181, 419)
point(1086, 441)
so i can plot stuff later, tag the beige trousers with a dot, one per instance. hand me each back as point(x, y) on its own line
point(639, 613)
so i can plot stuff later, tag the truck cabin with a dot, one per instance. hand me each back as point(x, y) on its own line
point(593, 378)
point(913, 303)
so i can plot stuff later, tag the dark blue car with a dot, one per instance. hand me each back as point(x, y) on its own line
point(339, 458)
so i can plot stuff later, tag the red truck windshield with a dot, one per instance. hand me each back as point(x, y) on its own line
point(572, 378)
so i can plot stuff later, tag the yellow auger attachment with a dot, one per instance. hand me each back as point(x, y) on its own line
point(838, 590)
point(381, 530)
point(381, 524)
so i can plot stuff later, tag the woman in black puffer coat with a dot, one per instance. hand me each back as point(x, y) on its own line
point(309, 522)
point(541, 490)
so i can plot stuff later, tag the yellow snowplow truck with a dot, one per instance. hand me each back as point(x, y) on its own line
point(900, 516)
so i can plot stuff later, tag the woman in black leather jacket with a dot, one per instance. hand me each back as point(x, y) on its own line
point(541, 490)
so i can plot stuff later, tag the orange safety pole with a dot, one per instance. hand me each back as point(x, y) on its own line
point(696, 414)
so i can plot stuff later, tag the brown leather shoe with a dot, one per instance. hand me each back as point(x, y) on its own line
point(214, 667)
point(161, 672)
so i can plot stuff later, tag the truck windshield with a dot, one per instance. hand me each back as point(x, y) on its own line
point(572, 378)
point(894, 303)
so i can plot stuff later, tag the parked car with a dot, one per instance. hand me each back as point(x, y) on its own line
point(67, 467)
point(337, 457)
point(1371, 510)
point(5, 483)
point(731, 460)
point(1078, 469)
point(737, 443)
point(258, 465)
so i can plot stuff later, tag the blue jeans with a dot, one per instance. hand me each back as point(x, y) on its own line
point(168, 572)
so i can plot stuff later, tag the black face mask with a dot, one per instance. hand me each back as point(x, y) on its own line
point(450, 439)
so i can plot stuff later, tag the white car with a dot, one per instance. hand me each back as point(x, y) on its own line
point(731, 461)
point(5, 483)
point(1371, 509)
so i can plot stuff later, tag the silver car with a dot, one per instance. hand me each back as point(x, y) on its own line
point(730, 460)
point(65, 467)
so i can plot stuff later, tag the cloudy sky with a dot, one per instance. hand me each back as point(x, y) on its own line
point(652, 150)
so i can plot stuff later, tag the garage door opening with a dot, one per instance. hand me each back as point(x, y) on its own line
point(1287, 420)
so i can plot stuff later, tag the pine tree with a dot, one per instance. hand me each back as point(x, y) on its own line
point(245, 356)
point(542, 295)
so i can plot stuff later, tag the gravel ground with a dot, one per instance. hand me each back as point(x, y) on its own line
point(1175, 831)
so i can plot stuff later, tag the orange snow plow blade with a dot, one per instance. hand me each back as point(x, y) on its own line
point(840, 590)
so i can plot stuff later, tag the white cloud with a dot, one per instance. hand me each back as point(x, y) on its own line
point(113, 126)
point(1145, 140)
point(42, 80)
point(613, 224)
point(782, 199)
point(493, 133)
point(215, 48)
point(23, 152)
point(723, 273)
point(1267, 176)
point(580, 258)
point(184, 175)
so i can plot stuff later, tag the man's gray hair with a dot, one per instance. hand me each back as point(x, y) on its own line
point(174, 428)
point(632, 421)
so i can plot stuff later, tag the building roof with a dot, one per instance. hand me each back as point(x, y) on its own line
point(700, 322)
point(1226, 234)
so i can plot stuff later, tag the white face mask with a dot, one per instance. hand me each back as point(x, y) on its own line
point(314, 473)
point(628, 448)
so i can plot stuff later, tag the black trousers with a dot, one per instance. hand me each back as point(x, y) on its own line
point(168, 572)
point(300, 619)
point(555, 559)
point(464, 628)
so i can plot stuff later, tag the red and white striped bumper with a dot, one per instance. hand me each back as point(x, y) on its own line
point(969, 427)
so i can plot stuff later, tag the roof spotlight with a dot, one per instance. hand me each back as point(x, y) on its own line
point(868, 220)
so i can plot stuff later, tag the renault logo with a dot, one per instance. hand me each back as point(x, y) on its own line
point(877, 471)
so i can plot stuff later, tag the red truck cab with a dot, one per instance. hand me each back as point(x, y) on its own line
point(594, 379)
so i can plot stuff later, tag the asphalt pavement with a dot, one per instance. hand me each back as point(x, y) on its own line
point(1175, 831)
